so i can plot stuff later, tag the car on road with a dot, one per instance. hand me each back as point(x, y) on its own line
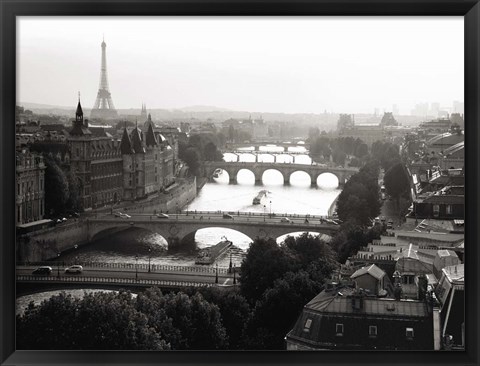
point(76, 268)
point(44, 270)
point(122, 215)
point(285, 219)
point(227, 216)
point(162, 216)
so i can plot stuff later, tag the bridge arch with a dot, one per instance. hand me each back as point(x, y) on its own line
point(273, 174)
point(297, 176)
point(300, 172)
point(328, 180)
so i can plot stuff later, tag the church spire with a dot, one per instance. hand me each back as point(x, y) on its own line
point(79, 112)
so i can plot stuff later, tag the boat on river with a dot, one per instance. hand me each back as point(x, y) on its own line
point(210, 254)
point(258, 199)
point(217, 173)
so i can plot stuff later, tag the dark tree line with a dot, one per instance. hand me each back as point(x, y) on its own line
point(200, 148)
point(359, 202)
point(338, 149)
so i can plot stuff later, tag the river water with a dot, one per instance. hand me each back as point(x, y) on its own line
point(297, 198)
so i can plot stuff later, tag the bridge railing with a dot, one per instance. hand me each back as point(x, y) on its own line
point(110, 280)
point(141, 267)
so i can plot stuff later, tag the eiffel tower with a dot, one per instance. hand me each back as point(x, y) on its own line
point(103, 108)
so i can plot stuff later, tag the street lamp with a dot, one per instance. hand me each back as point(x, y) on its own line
point(230, 265)
point(149, 256)
point(176, 209)
point(270, 208)
point(136, 268)
point(216, 273)
point(264, 208)
point(58, 265)
point(234, 277)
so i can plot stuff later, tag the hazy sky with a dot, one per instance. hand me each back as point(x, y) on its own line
point(262, 64)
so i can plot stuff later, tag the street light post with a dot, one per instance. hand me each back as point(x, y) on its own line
point(234, 277)
point(216, 273)
point(270, 209)
point(149, 257)
point(230, 265)
point(136, 268)
point(264, 208)
point(58, 265)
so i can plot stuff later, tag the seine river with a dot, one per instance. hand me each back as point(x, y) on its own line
point(297, 198)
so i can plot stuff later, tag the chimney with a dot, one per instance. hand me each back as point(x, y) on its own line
point(422, 287)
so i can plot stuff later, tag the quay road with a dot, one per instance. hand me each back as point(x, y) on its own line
point(163, 275)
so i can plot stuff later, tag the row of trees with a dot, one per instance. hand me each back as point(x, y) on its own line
point(199, 148)
point(359, 202)
point(338, 149)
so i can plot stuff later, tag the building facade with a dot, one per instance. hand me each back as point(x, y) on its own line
point(96, 160)
point(148, 162)
point(30, 187)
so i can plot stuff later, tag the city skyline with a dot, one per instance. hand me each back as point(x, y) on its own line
point(259, 65)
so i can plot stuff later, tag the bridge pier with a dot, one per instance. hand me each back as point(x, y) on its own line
point(173, 242)
point(232, 179)
point(257, 148)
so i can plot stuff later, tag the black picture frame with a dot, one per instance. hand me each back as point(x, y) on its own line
point(9, 9)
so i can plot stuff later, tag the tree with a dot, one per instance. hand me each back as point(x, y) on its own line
point(276, 312)
point(396, 181)
point(198, 321)
point(191, 157)
point(234, 310)
point(264, 263)
point(211, 152)
point(74, 201)
point(56, 187)
point(96, 322)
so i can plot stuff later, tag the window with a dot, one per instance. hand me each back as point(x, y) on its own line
point(409, 333)
point(308, 324)
point(449, 210)
point(436, 210)
point(339, 329)
point(372, 330)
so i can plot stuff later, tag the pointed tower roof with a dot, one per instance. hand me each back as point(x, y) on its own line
point(137, 141)
point(125, 144)
point(150, 139)
point(79, 129)
point(79, 111)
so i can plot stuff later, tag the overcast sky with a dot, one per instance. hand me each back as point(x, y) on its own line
point(258, 64)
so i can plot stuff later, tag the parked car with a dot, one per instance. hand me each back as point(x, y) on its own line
point(162, 216)
point(76, 268)
point(126, 216)
point(118, 214)
point(285, 219)
point(227, 216)
point(44, 270)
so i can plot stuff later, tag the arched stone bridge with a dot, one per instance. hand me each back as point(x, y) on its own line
point(182, 228)
point(286, 169)
point(256, 145)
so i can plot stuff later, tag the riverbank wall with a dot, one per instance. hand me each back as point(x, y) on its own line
point(333, 206)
